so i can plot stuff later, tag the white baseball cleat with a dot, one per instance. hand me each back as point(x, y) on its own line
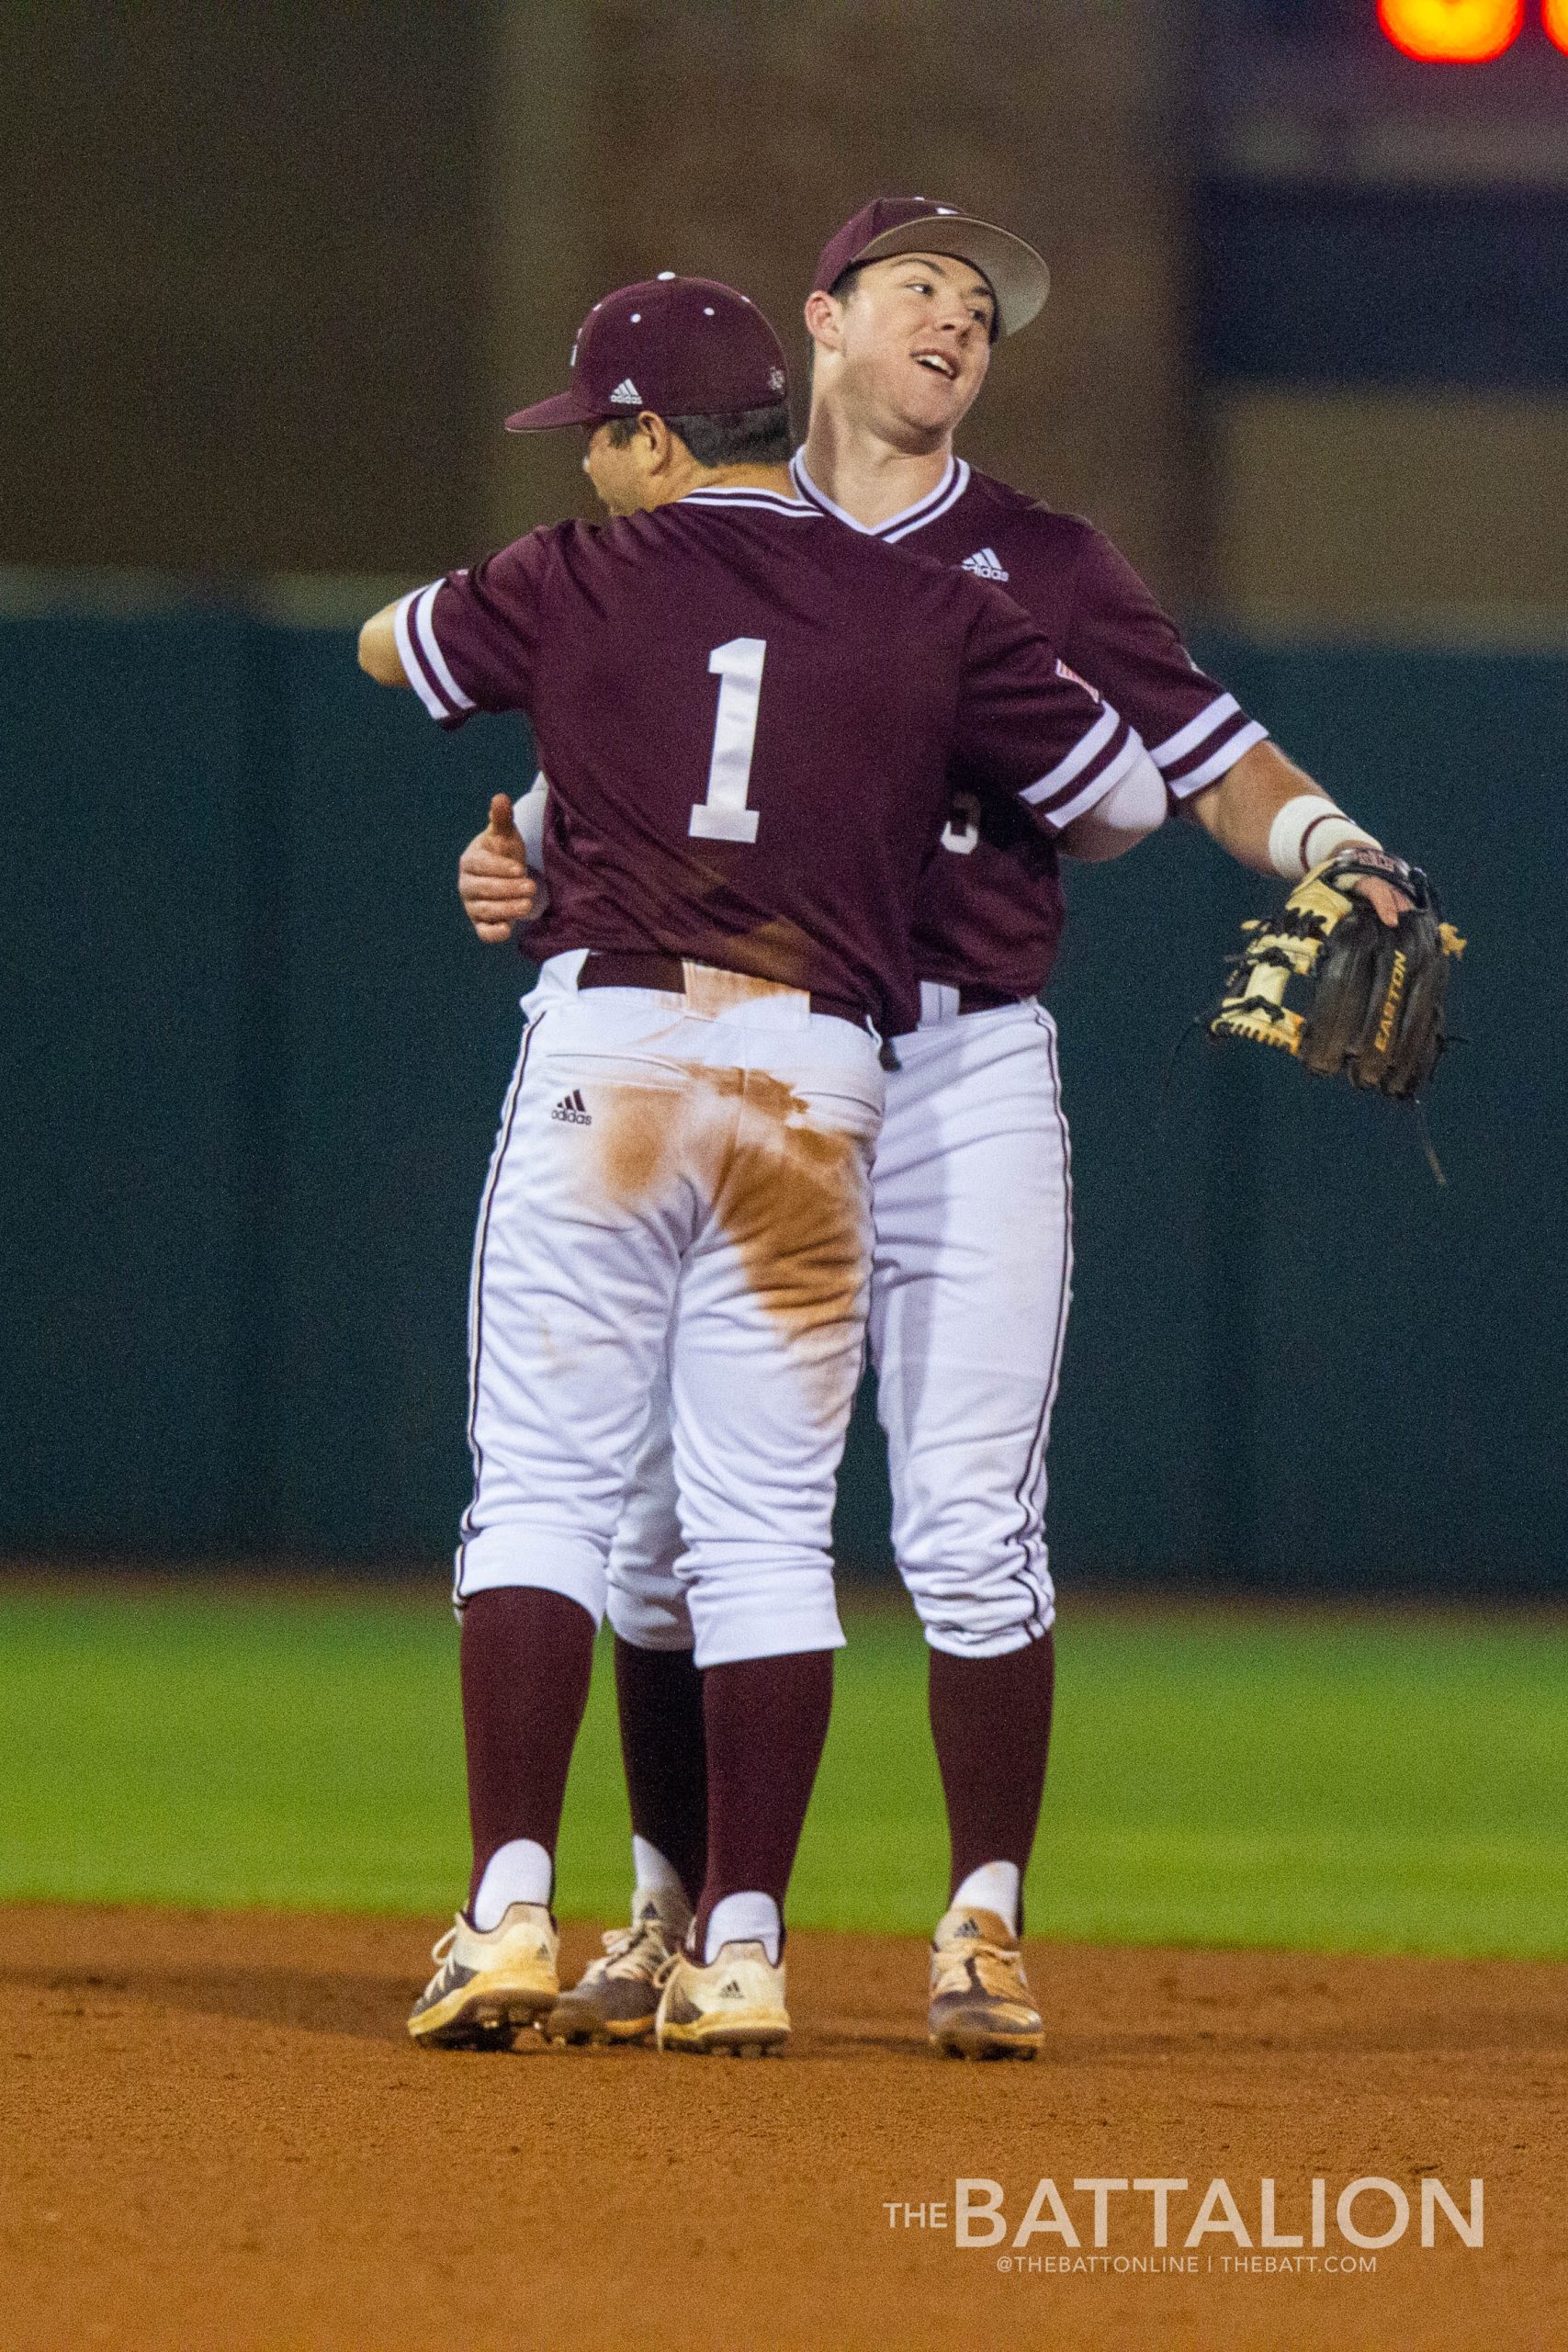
point(615, 2000)
point(980, 2003)
point(490, 1981)
point(736, 2003)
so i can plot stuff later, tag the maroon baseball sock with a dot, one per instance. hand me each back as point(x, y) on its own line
point(527, 1658)
point(991, 1723)
point(664, 1748)
point(767, 1721)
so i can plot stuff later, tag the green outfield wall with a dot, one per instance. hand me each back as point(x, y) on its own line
point(253, 1058)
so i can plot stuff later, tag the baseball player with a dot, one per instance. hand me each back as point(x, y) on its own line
point(679, 1196)
point(971, 1196)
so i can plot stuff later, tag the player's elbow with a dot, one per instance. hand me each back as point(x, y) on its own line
point(378, 655)
point(1133, 808)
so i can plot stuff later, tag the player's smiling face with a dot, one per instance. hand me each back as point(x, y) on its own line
point(915, 343)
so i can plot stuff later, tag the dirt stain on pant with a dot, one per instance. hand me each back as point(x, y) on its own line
point(791, 1194)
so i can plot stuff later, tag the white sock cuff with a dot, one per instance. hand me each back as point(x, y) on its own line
point(519, 1871)
point(993, 1887)
point(744, 1919)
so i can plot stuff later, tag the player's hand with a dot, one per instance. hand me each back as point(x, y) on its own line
point(1389, 903)
point(494, 880)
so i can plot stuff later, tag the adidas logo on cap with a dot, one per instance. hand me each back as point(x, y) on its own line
point(573, 1110)
point(626, 391)
point(987, 563)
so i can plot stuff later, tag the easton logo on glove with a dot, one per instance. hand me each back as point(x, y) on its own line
point(1375, 992)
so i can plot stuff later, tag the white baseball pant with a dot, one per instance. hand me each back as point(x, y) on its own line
point(678, 1200)
point(972, 1202)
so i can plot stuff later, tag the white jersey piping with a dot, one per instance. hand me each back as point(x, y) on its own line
point(771, 501)
point(948, 492)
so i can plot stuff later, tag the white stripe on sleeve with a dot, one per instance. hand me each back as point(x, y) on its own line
point(1197, 730)
point(412, 659)
point(1220, 762)
point(1129, 761)
point(425, 629)
point(1087, 748)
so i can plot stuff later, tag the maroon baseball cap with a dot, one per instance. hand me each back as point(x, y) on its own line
point(680, 346)
point(907, 224)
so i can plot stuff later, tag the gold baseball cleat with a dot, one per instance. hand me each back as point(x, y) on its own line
point(736, 2005)
point(615, 2000)
point(980, 2003)
point(490, 1981)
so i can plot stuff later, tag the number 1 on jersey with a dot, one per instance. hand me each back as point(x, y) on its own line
point(724, 815)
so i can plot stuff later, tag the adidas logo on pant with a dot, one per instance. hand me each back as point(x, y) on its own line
point(573, 1110)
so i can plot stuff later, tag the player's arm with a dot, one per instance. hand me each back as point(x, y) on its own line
point(1217, 763)
point(378, 655)
point(1029, 729)
point(469, 642)
point(1241, 811)
point(1129, 812)
point(1268, 814)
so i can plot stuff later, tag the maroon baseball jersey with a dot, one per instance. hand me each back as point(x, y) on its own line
point(752, 722)
point(990, 910)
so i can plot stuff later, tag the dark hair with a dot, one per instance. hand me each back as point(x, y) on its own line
point(751, 437)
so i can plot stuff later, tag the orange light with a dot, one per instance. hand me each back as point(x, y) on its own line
point(1462, 32)
point(1555, 16)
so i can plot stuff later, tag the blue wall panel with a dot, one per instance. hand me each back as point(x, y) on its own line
point(125, 990)
point(396, 1036)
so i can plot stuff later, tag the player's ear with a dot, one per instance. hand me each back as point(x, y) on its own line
point(657, 443)
point(824, 319)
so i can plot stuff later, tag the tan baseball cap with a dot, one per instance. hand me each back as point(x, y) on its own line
point(1015, 273)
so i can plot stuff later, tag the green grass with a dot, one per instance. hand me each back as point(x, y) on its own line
point(1337, 1781)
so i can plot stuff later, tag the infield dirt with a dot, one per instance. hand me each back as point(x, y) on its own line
point(217, 2134)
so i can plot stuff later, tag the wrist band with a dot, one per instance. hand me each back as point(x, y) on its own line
point(1309, 828)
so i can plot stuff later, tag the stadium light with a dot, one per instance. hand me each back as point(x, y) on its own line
point(1554, 15)
point(1462, 32)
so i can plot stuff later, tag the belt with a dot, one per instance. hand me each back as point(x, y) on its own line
point(987, 1000)
point(617, 968)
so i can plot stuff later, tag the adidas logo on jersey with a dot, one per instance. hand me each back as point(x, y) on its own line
point(626, 392)
point(573, 1110)
point(987, 563)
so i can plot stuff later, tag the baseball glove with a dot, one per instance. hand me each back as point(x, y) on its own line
point(1374, 991)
